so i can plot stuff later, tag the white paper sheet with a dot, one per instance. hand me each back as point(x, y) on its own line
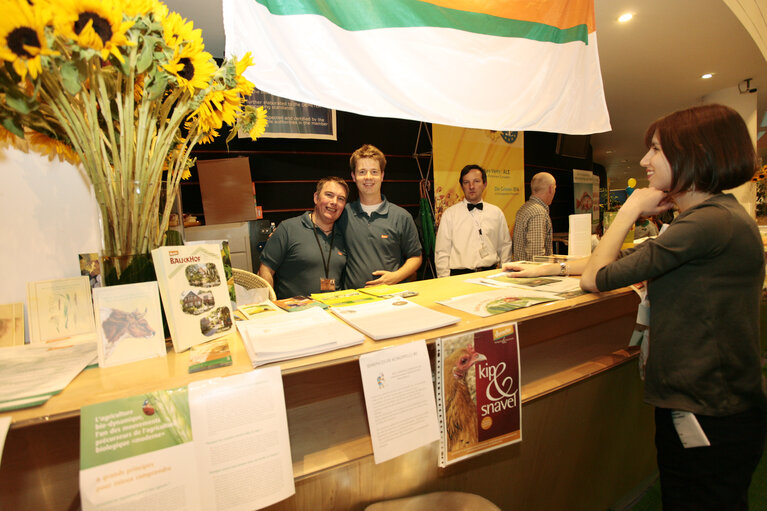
point(399, 398)
point(579, 235)
point(244, 459)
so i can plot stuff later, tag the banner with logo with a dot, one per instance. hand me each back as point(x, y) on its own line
point(500, 153)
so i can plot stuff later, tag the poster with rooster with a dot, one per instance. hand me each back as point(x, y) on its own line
point(478, 392)
point(129, 323)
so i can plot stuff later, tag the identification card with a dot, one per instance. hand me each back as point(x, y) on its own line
point(327, 284)
point(689, 430)
point(484, 251)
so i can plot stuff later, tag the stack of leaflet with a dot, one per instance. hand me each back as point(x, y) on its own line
point(393, 317)
point(274, 337)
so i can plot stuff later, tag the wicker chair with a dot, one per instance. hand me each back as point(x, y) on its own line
point(250, 280)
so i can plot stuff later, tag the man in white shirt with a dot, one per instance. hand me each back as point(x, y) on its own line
point(473, 235)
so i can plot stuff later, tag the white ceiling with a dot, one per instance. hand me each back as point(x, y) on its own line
point(650, 66)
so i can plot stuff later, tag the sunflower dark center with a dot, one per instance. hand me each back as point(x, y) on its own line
point(101, 26)
point(20, 37)
point(187, 72)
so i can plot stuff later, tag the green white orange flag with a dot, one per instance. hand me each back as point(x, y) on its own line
point(490, 64)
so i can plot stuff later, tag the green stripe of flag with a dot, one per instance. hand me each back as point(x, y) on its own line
point(357, 15)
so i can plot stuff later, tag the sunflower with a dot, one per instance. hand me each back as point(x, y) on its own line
point(218, 107)
point(134, 8)
point(244, 86)
point(177, 32)
point(51, 146)
point(259, 127)
point(22, 37)
point(193, 68)
point(95, 24)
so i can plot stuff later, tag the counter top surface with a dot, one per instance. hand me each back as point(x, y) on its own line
point(96, 385)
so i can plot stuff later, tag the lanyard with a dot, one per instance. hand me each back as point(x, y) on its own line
point(326, 265)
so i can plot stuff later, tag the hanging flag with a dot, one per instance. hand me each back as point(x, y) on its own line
point(490, 64)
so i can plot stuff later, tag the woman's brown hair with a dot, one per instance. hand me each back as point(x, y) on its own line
point(708, 147)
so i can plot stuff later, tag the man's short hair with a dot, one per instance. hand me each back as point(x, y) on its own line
point(332, 179)
point(541, 182)
point(707, 146)
point(469, 168)
point(367, 151)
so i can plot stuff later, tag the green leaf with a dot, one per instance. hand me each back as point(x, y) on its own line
point(20, 103)
point(12, 124)
point(156, 86)
point(70, 77)
point(145, 58)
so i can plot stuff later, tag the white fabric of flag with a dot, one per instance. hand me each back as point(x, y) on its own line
point(426, 61)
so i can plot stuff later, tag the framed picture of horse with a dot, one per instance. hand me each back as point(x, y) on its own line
point(129, 323)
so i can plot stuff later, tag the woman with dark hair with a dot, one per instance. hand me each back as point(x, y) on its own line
point(705, 275)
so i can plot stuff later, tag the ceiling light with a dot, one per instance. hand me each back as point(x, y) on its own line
point(707, 76)
point(623, 18)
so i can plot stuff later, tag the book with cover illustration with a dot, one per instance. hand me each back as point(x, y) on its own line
point(60, 309)
point(478, 392)
point(255, 309)
point(129, 323)
point(344, 298)
point(209, 355)
point(194, 293)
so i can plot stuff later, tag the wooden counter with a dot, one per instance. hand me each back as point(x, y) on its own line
point(583, 420)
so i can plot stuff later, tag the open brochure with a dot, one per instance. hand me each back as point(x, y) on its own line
point(559, 287)
point(273, 337)
point(220, 444)
point(497, 301)
point(32, 374)
point(478, 392)
point(393, 317)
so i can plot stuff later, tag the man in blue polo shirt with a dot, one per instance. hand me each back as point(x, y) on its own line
point(381, 237)
point(307, 254)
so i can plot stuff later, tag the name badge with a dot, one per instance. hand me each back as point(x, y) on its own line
point(327, 284)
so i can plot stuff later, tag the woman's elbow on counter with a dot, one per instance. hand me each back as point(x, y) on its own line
point(589, 282)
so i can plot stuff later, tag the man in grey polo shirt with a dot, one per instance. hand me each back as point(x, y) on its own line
point(382, 239)
point(307, 254)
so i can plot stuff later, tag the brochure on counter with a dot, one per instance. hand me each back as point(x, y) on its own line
point(393, 317)
point(399, 399)
point(559, 287)
point(344, 298)
point(272, 337)
point(478, 392)
point(219, 444)
point(32, 374)
point(497, 301)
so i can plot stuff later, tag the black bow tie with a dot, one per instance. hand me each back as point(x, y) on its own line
point(472, 206)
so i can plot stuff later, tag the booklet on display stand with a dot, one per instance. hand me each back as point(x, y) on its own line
point(478, 392)
point(194, 293)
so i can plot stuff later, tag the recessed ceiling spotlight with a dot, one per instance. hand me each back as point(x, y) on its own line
point(707, 76)
point(623, 18)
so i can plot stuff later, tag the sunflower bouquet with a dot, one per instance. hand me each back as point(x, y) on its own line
point(125, 88)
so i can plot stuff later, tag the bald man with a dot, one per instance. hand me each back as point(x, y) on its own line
point(532, 227)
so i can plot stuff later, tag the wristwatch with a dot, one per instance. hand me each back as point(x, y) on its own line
point(563, 269)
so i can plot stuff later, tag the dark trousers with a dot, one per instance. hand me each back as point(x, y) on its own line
point(462, 271)
point(712, 478)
